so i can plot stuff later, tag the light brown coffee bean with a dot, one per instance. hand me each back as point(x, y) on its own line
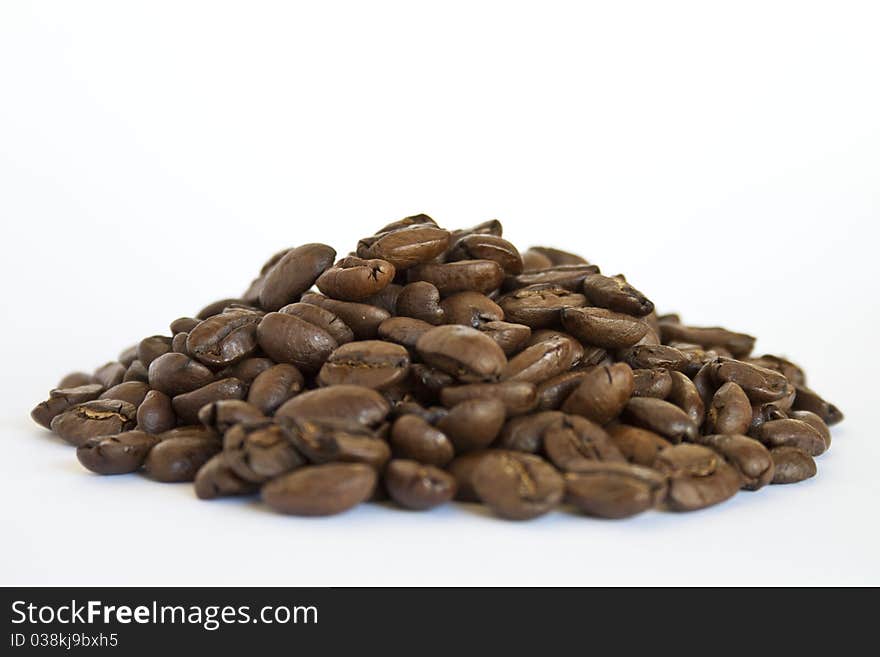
point(792, 465)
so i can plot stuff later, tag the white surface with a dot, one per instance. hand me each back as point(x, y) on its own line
point(152, 155)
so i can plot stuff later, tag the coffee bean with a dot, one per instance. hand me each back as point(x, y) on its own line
point(792, 433)
point(156, 414)
point(134, 392)
point(62, 399)
point(355, 279)
point(518, 397)
point(224, 339)
point(526, 432)
point(760, 384)
point(543, 360)
point(470, 309)
point(473, 424)
point(179, 459)
point(603, 328)
point(558, 256)
point(320, 490)
point(462, 352)
point(614, 490)
point(187, 406)
point(698, 477)
point(478, 246)
point(118, 454)
point(656, 356)
point(462, 468)
point(322, 318)
point(539, 306)
point(75, 380)
point(418, 486)
point(216, 307)
point(660, 417)
point(462, 276)
point(324, 440)
point(346, 402)
point(603, 393)
point(570, 277)
point(791, 465)
point(730, 411)
point(176, 374)
point(794, 373)
point(136, 372)
point(750, 458)
point(100, 417)
point(555, 390)
point(510, 337)
point(420, 300)
point(259, 450)
point(517, 486)
point(814, 421)
point(178, 344)
point(289, 339)
point(223, 414)
point(807, 400)
point(149, 349)
point(216, 479)
point(361, 318)
point(685, 395)
point(110, 375)
point(616, 294)
point(655, 383)
point(246, 370)
point(275, 386)
point(182, 325)
point(370, 363)
point(574, 440)
point(740, 345)
point(638, 446)
point(128, 356)
point(405, 246)
point(413, 438)
point(294, 273)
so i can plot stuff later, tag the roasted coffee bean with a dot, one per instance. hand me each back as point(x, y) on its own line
point(461, 276)
point(110, 375)
point(136, 372)
point(534, 261)
point(324, 440)
point(294, 273)
point(404, 331)
point(762, 413)
point(246, 370)
point(176, 374)
point(473, 424)
point(414, 220)
point(179, 459)
point(792, 433)
point(406, 246)
point(183, 325)
point(656, 356)
point(118, 454)
point(571, 277)
point(187, 406)
point(320, 490)
point(427, 383)
point(344, 402)
point(386, 298)
point(413, 438)
point(638, 446)
point(603, 328)
point(490, 227)
point(100, 417)
point(289, 339)
point(526, 432)
point(133, 392)
point(574, 440)
point(156, 414)
point(543, 360)
point(149, 349)
point(685, 395)
point(730, 411)
point(558, 256)
point(462, 469)
point(178, 344)
point(259, 450)
point(478, 246)
point(510, 337)
point(62, 399)
point(555, 390)
point(539, 306)
point(660, 417)
point(418, 486)
point(807, 400)
point(470, 309)
point(655, 383)
point(603, 393)
point(750, 458)
point(420, 300)
point(760, 384)
point(361, 318)
point(224, 339)
point(785, 367)
point(216, 307)
point(128, 356)
point(462, 352)
point(616, 294)
point(355, 279)
point(698, 477)
point(216, 479)
point(791, 465)
point(223, 414)
point(370, 363)
point(814, 421)
point(740, 345)
point(614, 490)
point(518, 397)
point(75, 380)
point(516, 485)
point(322, 318)
point(275, 386)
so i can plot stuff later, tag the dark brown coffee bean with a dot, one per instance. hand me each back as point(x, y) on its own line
point(149, 349)
point(247, 370)
point(479, 246)
point(370, 363)
point(178, 344)
point(660, 417)
point(791, 465)
point(655, 383)
point(386, 298)
point(740, 345)
point(614, 490)
point(462, 468)
point(470, 309)
point(405, 247)
point(760, 384)
point(294, 273)
point(100, 417)
point(638, 446)
point(539, 306)
point(344, 402)
point(510, 337)
point(792, 433)
point(320, 490)
point(420, 300)
point(259, 450)
point(418, 486)
point(553, 392)
point(176, 374)
point(275, 386)
point(698, 477)
point(222, 415)
point(462, 276)
point(326, 440)
point(128, 356)
point(289, 339)
point(156, 414)
point(730, 411)
point(794, 373)
point(750, 458)
point(543, 360)
point(473, 424)
point(603, 328)
point(654, 356)
point(526, 432)
point(462, 352)
point(558, 256)
point(119, 454)
point(762, 413)
point(413, 438)
point(518, 397)
point(110, 375)
point(516, 485)
point(404, 331)
point(616, 294)
point(136, 372)
point(685, 395)
point(224, 339)
point(807, 400)
point(355, 279)
point(62, 399)
point(179, 459)
point(133, 392)
point(75, 380)
point(427, 383)
point(216, 307)
point(571, 277)
point(187, 406)
point(602, 394)
point(216, 479)
point(814, 421)
point(183, 325)
point(322, 318)
point(362, 319)
point(574, 440)
point(490, 227)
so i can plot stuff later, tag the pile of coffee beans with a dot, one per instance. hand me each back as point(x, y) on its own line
point(433, 365)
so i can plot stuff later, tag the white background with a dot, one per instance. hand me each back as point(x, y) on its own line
point(725, 156)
